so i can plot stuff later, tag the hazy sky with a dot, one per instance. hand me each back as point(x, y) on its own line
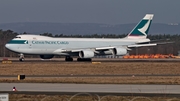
point(88, 11)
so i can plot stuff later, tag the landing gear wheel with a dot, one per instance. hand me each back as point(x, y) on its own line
point(84, 59)
point(68, 58)
point(21, 57)
point(21, 60)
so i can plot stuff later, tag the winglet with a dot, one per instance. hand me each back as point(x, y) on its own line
point(142, 28)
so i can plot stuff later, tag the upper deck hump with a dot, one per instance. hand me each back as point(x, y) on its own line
point(31, 37)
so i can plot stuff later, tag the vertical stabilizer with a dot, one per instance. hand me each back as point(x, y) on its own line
point(142, 28)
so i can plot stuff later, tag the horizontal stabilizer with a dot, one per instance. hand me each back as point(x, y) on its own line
point(162, 43)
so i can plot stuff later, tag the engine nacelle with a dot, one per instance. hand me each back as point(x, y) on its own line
point(119, 51)
point(46, 56)
point(86, 54)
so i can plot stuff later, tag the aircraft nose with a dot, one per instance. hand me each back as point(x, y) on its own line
point(7, 46)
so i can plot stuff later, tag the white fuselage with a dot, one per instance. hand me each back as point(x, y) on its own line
point(35, 44)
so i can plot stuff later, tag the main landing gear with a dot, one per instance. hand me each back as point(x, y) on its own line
point(21, 57)
point(84, 59)
point(68, 58)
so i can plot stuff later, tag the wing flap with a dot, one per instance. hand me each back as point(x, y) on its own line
point(103, 48)
point(70, 50)
point(141, 45)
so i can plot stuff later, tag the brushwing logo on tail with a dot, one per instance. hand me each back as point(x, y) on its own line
point(145, 28)
point(142, 28)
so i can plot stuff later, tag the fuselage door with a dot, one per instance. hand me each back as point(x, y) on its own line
point(30, 44)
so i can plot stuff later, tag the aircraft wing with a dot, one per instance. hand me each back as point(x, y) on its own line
point(74, 50)
point(67, 50)
point(97, 49)
point(93, 49)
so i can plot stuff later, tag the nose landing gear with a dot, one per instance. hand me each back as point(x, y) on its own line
point(21, 57)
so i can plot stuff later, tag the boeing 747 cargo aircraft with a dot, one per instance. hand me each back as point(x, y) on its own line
point(84, 48)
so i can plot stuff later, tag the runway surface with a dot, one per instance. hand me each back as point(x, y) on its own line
point(58, 88)
point(96, 60)
point(100, 89)
point(83, 76)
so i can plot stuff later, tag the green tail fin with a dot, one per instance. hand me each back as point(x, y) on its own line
point(142, 28)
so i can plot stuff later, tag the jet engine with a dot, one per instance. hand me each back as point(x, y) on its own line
point(46, 56)
point(119, 51)
point(86, 54)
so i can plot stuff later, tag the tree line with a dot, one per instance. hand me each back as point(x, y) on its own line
point(171, 48)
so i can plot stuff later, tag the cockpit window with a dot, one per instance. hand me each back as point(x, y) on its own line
point(18, 37)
